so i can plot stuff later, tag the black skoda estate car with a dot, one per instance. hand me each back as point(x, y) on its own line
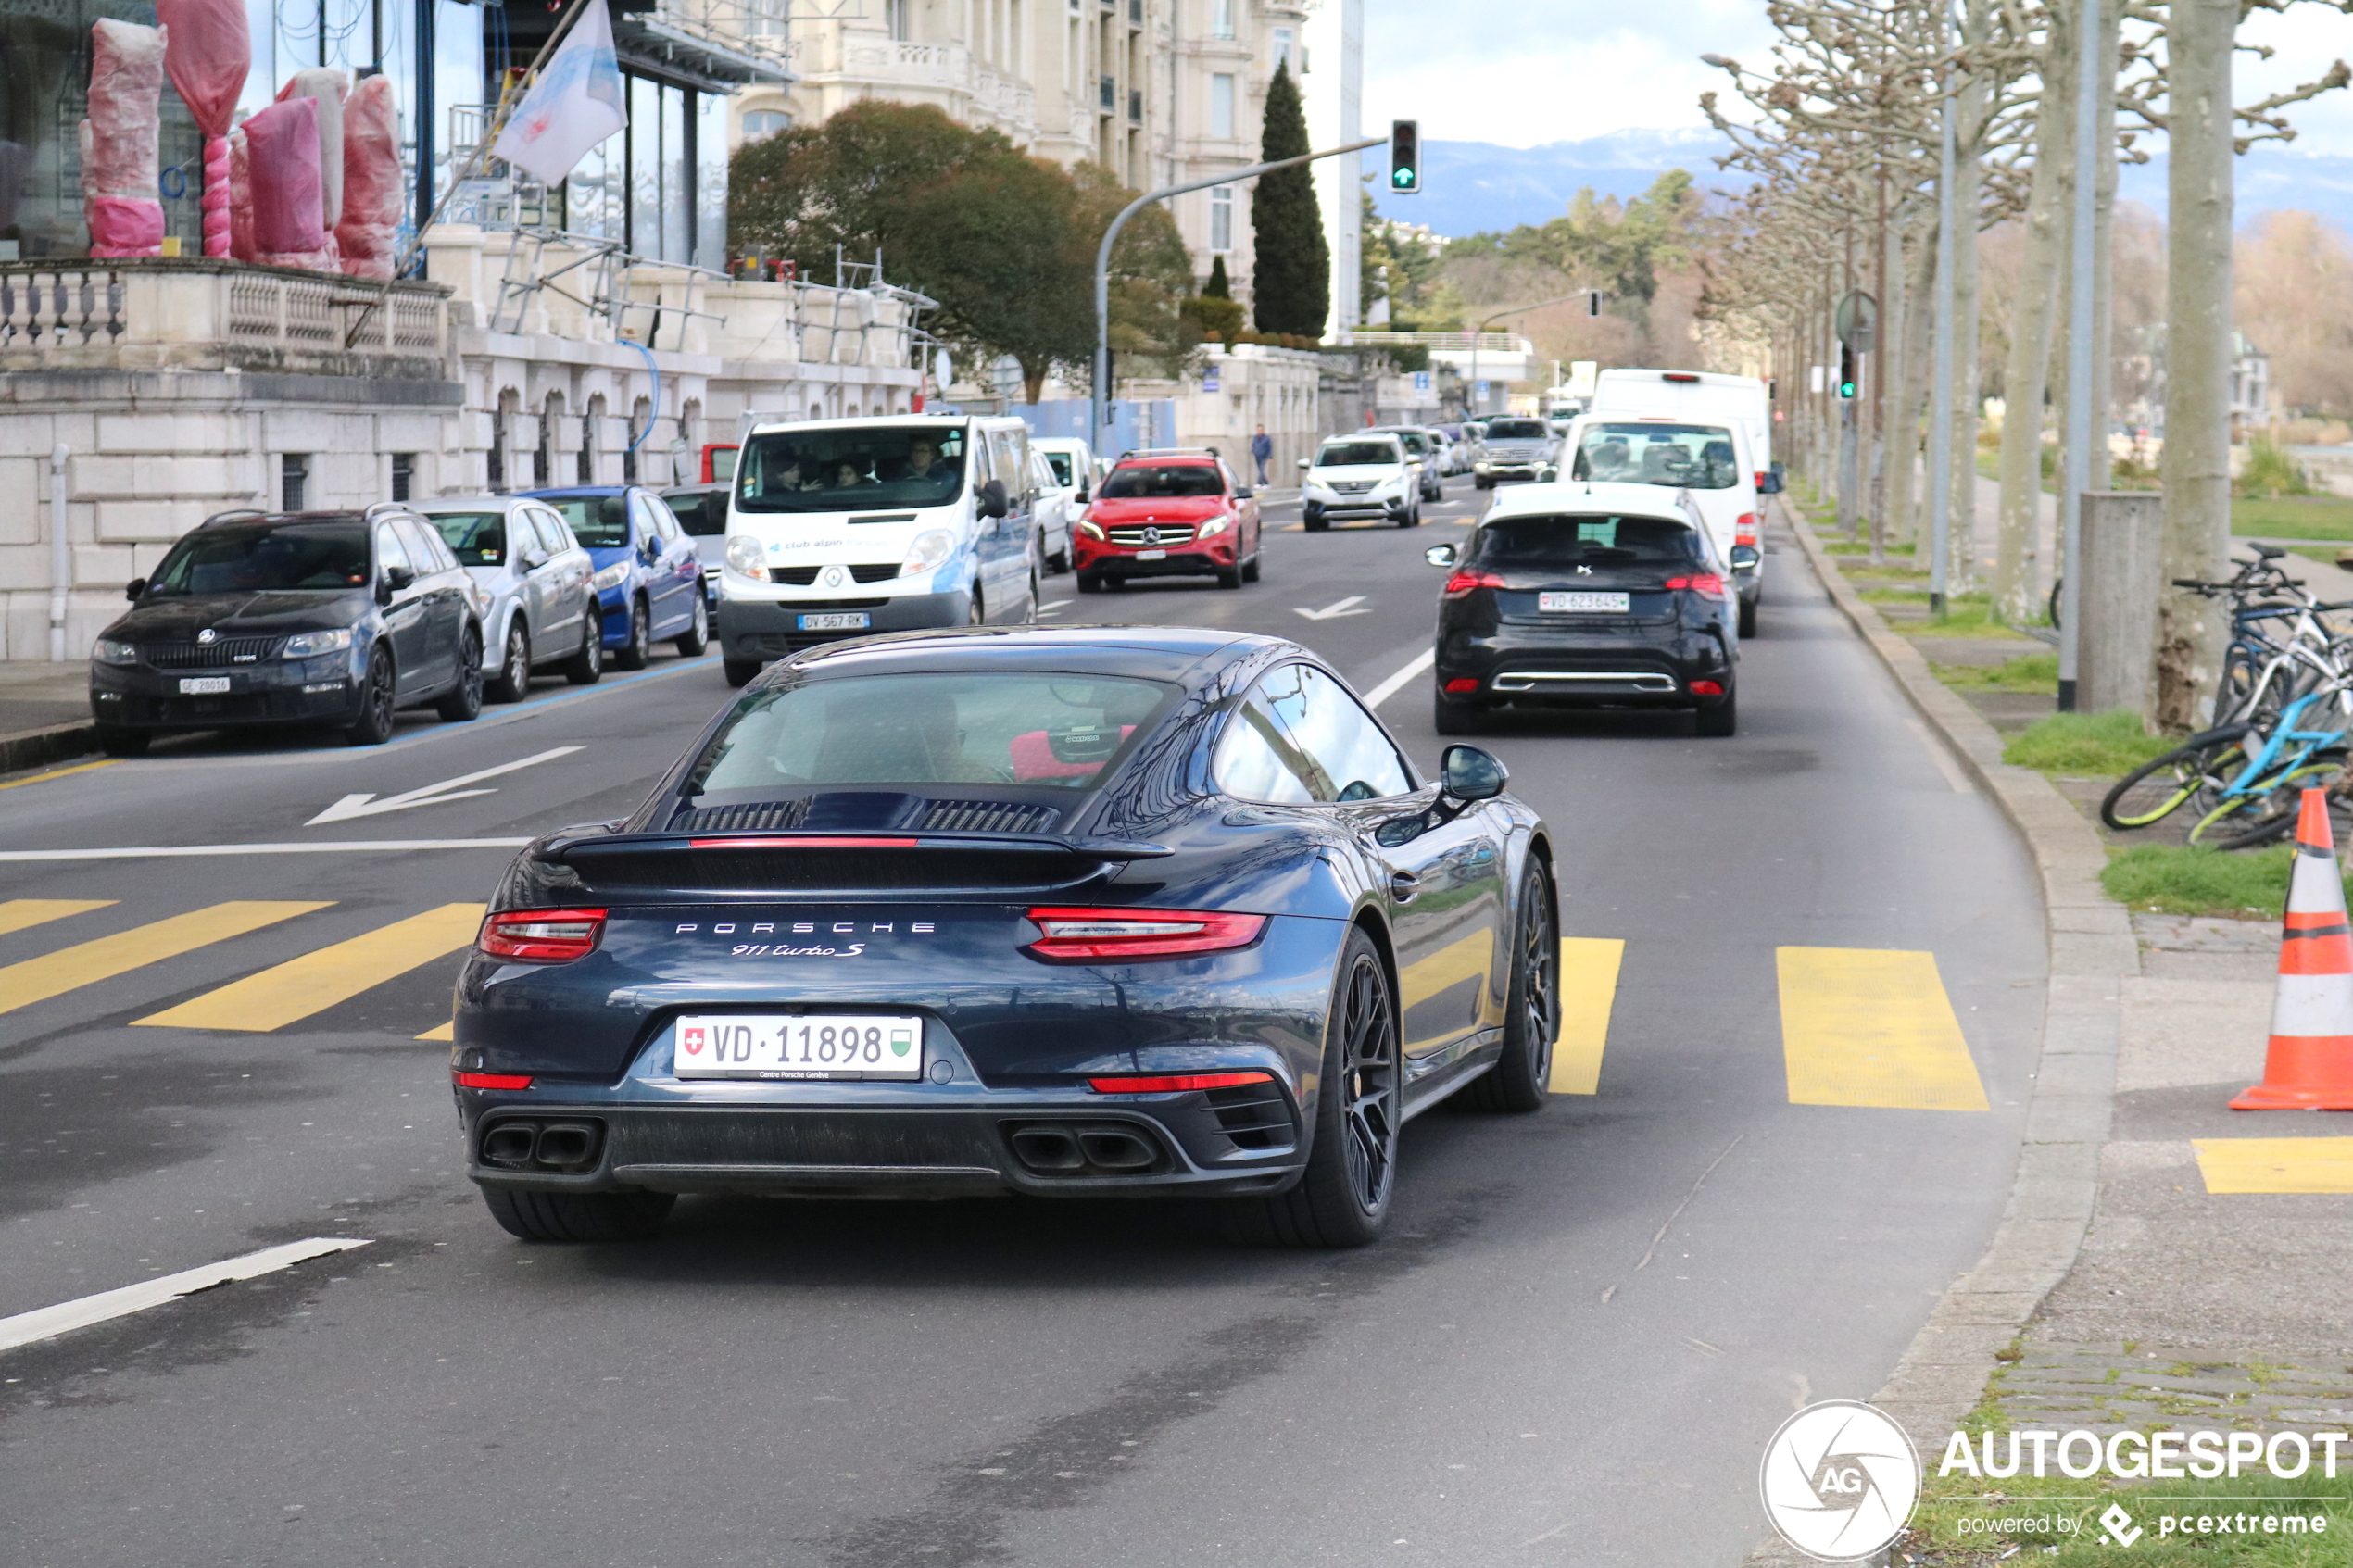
point(1585, 595)
point(292, 618)
point(1075, 911)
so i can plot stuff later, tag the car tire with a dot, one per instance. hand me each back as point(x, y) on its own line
point(739, 672)
point(117, 742)
point(1721, 720)
point(1521, 1078)
point(977, 609)
point(1343, 1197)
point(1059, 562)
point(1748, 617)
point(691, 643)
point(637, 650)
point(588, 667)
point(1484, 483)
point(1114, 584)
point(578, 1216)
point(1090, 583)
point(1451, 718)
point(1230, 578)
point(1250, 566)
point(462, 703)
point(377, 690)
point(1315, 523)
point(1037, 597)
point(513, 683)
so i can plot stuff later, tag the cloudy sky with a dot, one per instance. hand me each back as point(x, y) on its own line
point(1551, 70)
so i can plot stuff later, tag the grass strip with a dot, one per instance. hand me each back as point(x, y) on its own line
point(2188, 879)
point(2294, 517)
point(2027, 672)
point(2087, 745)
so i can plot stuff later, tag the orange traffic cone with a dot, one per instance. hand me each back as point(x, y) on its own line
point(2310, 1063)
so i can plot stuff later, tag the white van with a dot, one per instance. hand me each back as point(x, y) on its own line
point(1706, 457)
point(1696, 395)
point(843, 528)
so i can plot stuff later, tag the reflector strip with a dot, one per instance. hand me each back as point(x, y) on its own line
point(491, 1080)
point(1174, 1082)
point(803, 843)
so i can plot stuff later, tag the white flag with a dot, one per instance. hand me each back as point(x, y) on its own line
point(575, 103)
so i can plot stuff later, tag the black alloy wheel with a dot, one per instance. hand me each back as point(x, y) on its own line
point(116, 742)
point(373, 727)
point(1342, 1199)
point(638, 650)
point(463, 702)
point(697, 636)
point(578, 1216)
point(1250, 566)
point(588, 667)
point(513, 683)
point(1522, 1077)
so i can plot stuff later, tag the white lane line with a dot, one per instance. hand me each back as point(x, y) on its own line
point(47, 1323)
point(323, 847)
point(428, 795)
point(1395, 684)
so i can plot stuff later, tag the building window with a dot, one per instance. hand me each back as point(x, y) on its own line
point(1283, 53)
point(764, 18)
point(1221, 218)
point(895, 17)
point(1221, 18)
point(1221, 106)
point(766, 122)
point(404, 469)
point(294, 481)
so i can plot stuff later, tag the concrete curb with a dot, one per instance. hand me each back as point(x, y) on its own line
point(1942, 1373)
point(57, 742)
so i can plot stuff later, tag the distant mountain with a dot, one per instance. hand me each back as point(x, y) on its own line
point(1469, 188)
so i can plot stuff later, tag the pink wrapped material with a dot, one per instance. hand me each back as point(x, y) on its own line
point(371, 192)
point(282, 150)
point(240, 200)
point(118, 140)
point(209, 55)
point(324, 87)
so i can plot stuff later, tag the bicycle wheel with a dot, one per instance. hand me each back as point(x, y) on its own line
point(2199, 770)
point(2267, 810)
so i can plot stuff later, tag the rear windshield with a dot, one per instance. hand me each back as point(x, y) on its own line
point(1154, 481)
point(1574, 541)
point(1415, 442)
point(702, 513)
point(858, 469)
point(1517, 430)
point(1355, 454)
point(1689, 457)
point(1005, 728)
point(246, 560)
point(475, 538)
point(1059, 463)
point(597, 521)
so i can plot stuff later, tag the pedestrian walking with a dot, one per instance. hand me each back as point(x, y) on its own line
point(1262, 449)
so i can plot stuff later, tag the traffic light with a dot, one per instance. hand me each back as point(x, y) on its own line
point(1845, 372)
point(1592, 302)
point(1404, 157)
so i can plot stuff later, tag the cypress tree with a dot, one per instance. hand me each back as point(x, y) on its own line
point(1292, 283)
point(1217, 287)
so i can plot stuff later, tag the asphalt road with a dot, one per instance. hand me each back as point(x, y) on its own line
point(1570, 1348)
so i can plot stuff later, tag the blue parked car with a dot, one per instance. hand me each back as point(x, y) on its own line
point(648, 580)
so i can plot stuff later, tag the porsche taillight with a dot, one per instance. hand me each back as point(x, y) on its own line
point(1121, 936)
point(1175, 1083)
point(541, 935)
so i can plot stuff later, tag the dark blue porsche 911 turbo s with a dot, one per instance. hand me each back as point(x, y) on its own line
point(1068, 912)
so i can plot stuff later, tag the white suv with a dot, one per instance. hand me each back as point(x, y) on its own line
point(1368, 475)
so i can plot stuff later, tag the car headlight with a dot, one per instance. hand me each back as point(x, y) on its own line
point(930, 548)
point(109, 651)
point(1089, 529)
point(1480, 465)
point(747, 557)
point(307, 645)
point(1217, 524)
point(612, 576)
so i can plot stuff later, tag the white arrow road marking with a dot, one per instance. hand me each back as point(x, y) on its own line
point(1336, 609)
point(352, 806)
point(1051, 606)
point(46, 1323)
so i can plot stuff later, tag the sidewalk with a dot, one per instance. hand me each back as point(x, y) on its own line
point(45, 714)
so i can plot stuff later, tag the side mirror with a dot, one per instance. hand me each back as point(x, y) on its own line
point(1744, 555)
point(1305, 465)
point(992, 500)
point(1083, 497)
point(395, 580)
point(1465, 772)
point(1244, 494)
point(1439, 555)
point(133, 589)
point(531, 561)
point(1770, 481)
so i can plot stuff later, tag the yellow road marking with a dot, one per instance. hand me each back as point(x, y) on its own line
point(56, 774)
point(316, 981)
point(1589, 990)
point(2275, 1164)
point(446, 1032)
point(69, 969)
point(1870, 1026)
point(17, 914)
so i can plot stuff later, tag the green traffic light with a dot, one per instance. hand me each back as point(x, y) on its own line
point(1846, 389)
point(1402, 176)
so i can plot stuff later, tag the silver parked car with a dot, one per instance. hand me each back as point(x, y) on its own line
point(537, 578)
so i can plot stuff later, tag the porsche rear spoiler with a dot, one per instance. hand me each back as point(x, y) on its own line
point(561, 846)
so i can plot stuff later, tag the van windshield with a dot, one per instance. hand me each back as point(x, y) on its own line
point(1517, 430)
point(856, 468)
point(1687, 456)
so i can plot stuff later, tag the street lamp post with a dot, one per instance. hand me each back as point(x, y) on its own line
point(2079, 412)
point(1101, 400)
point(1940, 419)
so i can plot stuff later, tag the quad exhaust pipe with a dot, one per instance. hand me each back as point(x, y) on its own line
point(1097, 1148)
point(516, 1144)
